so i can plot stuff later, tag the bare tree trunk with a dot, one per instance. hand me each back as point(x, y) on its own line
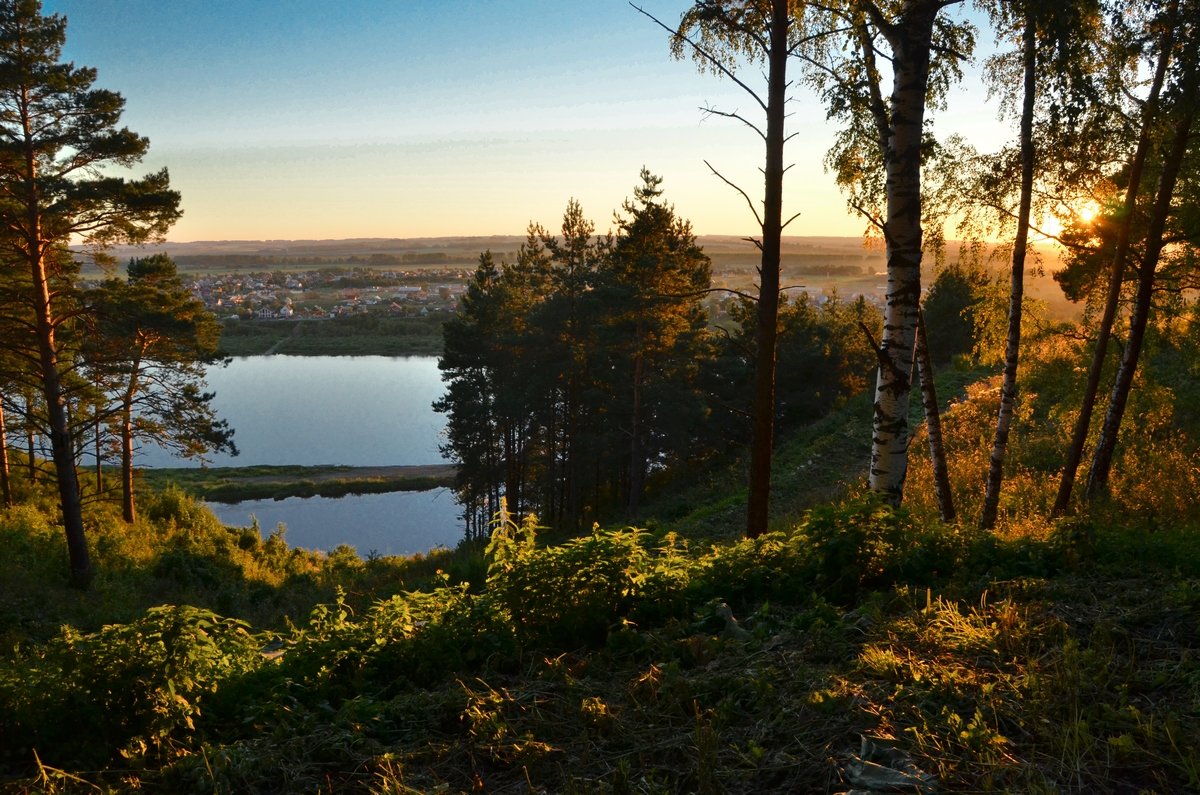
point(127, 506)
point(911, 38)
point(5, 483)
point(1140, 316)
point(1116, 272)
point(637, 454)
point(99, 460)
point(33, 470)
point(61, 444)
point(1012, 348)
point(766, 329)
point(933, 425)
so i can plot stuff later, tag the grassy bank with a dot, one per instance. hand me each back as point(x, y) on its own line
point(236, 484)
point(362, 335)
point(624, 662)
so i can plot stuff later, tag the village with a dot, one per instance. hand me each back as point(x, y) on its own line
point(330, 292)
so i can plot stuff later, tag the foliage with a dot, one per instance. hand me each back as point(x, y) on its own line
point(238, 484)
point(625, 656)
point(572, 372)
point(953, 316)
point(138, 688)
point(150, 340)
point(356, 335)
point(823, 358)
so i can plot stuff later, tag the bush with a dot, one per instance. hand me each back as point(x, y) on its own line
point(129, 690)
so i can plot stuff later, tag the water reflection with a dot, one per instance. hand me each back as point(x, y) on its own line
point(399, 523)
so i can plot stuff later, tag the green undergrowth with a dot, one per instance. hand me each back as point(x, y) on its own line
point(625, 662)
point(812, 465)
point(178, 552)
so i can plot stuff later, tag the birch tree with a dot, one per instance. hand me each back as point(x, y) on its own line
point(1183, 95)
point(877, 158)
point(1163, 38)
point(1055, 61)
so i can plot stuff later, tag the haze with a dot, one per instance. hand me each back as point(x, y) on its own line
point(299, 119)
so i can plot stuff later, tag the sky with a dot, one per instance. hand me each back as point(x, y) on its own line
point(311, 119)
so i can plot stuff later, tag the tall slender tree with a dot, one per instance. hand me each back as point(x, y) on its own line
point(5, 477)
point(719, 34)
point(1163, 28)
point(1183, 97)
point(58, 135)
point(878, 158)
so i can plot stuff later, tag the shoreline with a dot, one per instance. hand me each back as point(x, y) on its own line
point(238, 484)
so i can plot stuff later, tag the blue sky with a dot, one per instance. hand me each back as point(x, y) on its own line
point(296, 119)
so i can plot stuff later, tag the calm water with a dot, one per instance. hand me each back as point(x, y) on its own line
point(356, 410)
point(399, 523)
point(352, 410)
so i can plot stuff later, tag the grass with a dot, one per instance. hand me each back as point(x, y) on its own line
point(352, 336)
point(237, 484)
point(747, 667)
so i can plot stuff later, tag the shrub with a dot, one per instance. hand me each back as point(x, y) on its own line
point(129, 690)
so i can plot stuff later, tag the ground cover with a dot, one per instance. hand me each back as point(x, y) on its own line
point(618, 662)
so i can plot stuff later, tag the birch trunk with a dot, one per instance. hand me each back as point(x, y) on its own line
point(911, 38)
point(933, 426)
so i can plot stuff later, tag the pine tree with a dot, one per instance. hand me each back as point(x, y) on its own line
point(652, 282)
point(57, 136)
point(151, 340)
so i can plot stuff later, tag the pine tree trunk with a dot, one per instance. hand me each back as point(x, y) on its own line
point(1116, 272)
point(766, 323)
point(99, 458)
point(5, 482)
point(29, 445)
point(911, 40)
point(61, 445)
point(127, 507)
point(1140, 316)
point(637, 455)
point(933, 426)
point(1012, 347)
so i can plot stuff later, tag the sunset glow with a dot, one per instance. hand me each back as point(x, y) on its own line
point(419, 132)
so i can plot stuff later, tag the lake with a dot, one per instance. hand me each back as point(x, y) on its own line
point(397, 523)
point(353, 410)
point(350, 410)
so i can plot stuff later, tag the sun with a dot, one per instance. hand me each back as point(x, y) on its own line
point(1087, 212)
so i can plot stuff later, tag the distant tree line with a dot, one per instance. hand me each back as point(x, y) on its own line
point(206, 262)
